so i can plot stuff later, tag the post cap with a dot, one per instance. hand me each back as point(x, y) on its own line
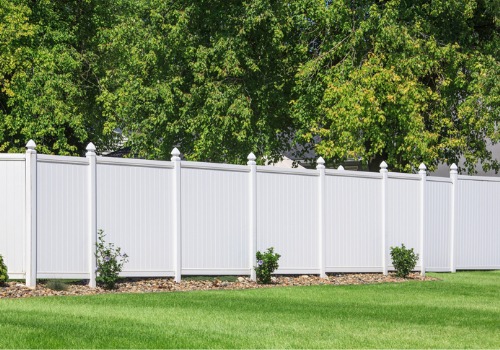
point(175, 152)
point(175, 155)
point(453, 169)
point(341, 168)
point(31, 145)
point(320, 163)
point(90, 147)
point(422, 167)
point(383, 165)
point(251, 159)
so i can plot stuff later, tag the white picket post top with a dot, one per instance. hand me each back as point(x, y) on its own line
point(340, 168)
point(383, 171)
point(90, 149)
point(453, 169)
point(422, 171)
point(30, 214)
point(252, 212)
point(175, 155)
point(383, 167)
point(251, 159)
point(31, 145)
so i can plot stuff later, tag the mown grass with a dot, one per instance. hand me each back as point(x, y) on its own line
point(460, 311)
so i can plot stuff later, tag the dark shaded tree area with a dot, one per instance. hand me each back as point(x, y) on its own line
point(404, 81)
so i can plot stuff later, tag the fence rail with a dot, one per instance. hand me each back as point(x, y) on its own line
point(177, 218)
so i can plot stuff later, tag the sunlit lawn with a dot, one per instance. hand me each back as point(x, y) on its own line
point(460, 311)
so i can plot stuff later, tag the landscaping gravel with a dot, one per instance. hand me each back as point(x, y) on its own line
point(148, 285)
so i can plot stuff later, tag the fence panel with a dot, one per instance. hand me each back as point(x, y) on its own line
point(477, 230)
point(437, 224)
point(134, 208)
point(403, 213)
point(287, 218)
point(62, 209)
point(353, 223)
point(215, 206)
point(12, 209)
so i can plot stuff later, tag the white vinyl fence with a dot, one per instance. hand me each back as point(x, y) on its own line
point(191, 218)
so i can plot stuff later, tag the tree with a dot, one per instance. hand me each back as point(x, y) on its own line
point(401, 81)
point(213, 77)
point(397, 80)
point(48, 88)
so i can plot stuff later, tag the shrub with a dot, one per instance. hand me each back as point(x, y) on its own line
point(403, 260)
point(267, 263)
point(3, 271)
point(57, 285)
point(110, 262)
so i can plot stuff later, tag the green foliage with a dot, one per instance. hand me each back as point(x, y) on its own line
point(403, 260)
point(57, 285)
point(401, 81)
point(212, 76)
point(110, 262)
point(48, 86)
point(405, 82)
point(267, 263)
point(3, 271)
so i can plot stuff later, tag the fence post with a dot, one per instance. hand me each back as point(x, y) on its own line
point(423, 176)
point(30, 214)
point(454, 179)
point(321, 216)
point(252, 195)
point(176, 205)
point(92, 215)
point(383, 171)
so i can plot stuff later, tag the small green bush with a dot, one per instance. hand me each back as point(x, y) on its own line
point(110, 262)
point(3, 271)
point(403, 260)
point(267, 263)
point(57, 285)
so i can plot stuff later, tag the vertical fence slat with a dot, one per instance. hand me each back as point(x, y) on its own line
point(321, 216)
point(176, 206)
point(30, 214)
point(252, 213)
point(423, 175)
point(454, 179)
point(92, 207)
point(384, 172)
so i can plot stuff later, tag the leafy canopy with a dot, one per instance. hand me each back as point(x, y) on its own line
point(401, 81)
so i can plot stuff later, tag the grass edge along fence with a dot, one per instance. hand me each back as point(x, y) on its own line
point(177, 218)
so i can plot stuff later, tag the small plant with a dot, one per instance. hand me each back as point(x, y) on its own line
point(57, 285)
point(110, 262)
point(267, 263)
point(3, 271)
point(403, 260)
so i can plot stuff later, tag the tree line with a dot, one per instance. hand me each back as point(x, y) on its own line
point(405, 81)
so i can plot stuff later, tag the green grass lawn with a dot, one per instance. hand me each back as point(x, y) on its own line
point(460, 311)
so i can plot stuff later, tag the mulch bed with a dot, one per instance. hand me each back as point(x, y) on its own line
point(149, 285)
